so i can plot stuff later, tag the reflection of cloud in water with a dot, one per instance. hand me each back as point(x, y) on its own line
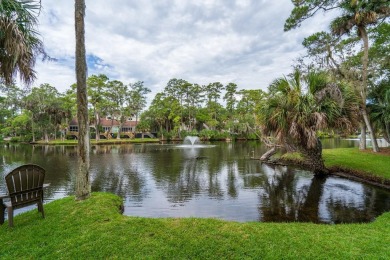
point(341, 194)
point(207, 181)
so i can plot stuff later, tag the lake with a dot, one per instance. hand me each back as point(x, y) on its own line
point(213, 180)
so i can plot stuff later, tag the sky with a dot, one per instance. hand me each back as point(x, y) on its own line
point(203, 41)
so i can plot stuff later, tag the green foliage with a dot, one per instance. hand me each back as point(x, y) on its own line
point(294, 115)
point(95, 229)
point(252, 136)
point(193, 132)
point(206, 134)
point(15, 139)
point(213, 134)
point(298, 14)
point(20, 43)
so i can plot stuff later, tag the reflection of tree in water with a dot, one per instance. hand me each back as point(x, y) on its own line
point(253, 176)
point(309, 212)
point(282, 199)
point(232, 180)
point(345, 210)
point(120, 174)
point(186, 173)
point(186, 185)
point(224, 172)
point(279, 200)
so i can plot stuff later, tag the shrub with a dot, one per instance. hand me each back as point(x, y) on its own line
point(27, 138)
point(189, 133)
point(15, 139)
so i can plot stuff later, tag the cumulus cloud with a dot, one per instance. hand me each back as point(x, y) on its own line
point(239, 41)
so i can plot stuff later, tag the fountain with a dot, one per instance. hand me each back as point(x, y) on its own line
point(191, 140)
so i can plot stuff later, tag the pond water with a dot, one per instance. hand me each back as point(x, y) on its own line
point(217, 180)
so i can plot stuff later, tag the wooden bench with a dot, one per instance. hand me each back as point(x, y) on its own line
point(25, 187)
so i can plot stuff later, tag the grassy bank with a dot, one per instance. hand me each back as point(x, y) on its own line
point(104, 141)
point(95, 229)
point(364, 165)
point(363, 161)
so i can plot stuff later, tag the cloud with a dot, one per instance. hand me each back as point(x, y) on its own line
point(239, 41)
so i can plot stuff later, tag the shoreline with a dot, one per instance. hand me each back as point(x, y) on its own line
point(101, 142)
point(340, 171)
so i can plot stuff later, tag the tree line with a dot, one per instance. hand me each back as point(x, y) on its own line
point(45, 113)
point(341, 84)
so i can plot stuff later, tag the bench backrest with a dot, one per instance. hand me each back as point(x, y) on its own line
point(25, 184)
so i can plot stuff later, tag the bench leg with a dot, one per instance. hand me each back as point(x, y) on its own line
point(2, 212)
point(10, 216)
point(40, 209)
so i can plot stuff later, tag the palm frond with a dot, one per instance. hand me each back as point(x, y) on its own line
point(19, 42)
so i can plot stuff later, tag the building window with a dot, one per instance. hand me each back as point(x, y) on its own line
point(73, 128)
point(106, 128)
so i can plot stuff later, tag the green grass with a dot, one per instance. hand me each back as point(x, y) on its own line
point(103, 141)
point(94, 229)
point(353, 159)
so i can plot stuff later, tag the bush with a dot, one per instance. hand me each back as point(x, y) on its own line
point(252, 136)
point(27, 138)
point(206, 134)
point(213, 134)
point(70, 137)
point(189, 133)
point(15, 139)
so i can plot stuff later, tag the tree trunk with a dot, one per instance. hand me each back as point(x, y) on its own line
point(55, 132)
point(97, 123)
point(386, 135)
point(46, 136)
point(268, 154)
point(314, 159)
point(363, 91)
point(362, 141)
point(375, 146)
point(32, 129)
point(83, 186)
point(118, 136)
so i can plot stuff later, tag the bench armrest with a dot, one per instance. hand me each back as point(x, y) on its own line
point(2, 196)
point(45, 185)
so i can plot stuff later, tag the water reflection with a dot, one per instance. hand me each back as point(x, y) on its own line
point(218, 180)
point(328, 143)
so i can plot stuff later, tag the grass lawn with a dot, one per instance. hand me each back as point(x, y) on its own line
point(364, 164)
point(95, 229)
point(354, 159)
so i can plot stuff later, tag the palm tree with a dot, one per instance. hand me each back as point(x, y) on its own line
point(297, 107)
point(360, 14)
point(83, 185)
point(19, 40)
point(380, 108)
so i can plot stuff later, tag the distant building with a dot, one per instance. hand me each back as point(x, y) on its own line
point(108, 127)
